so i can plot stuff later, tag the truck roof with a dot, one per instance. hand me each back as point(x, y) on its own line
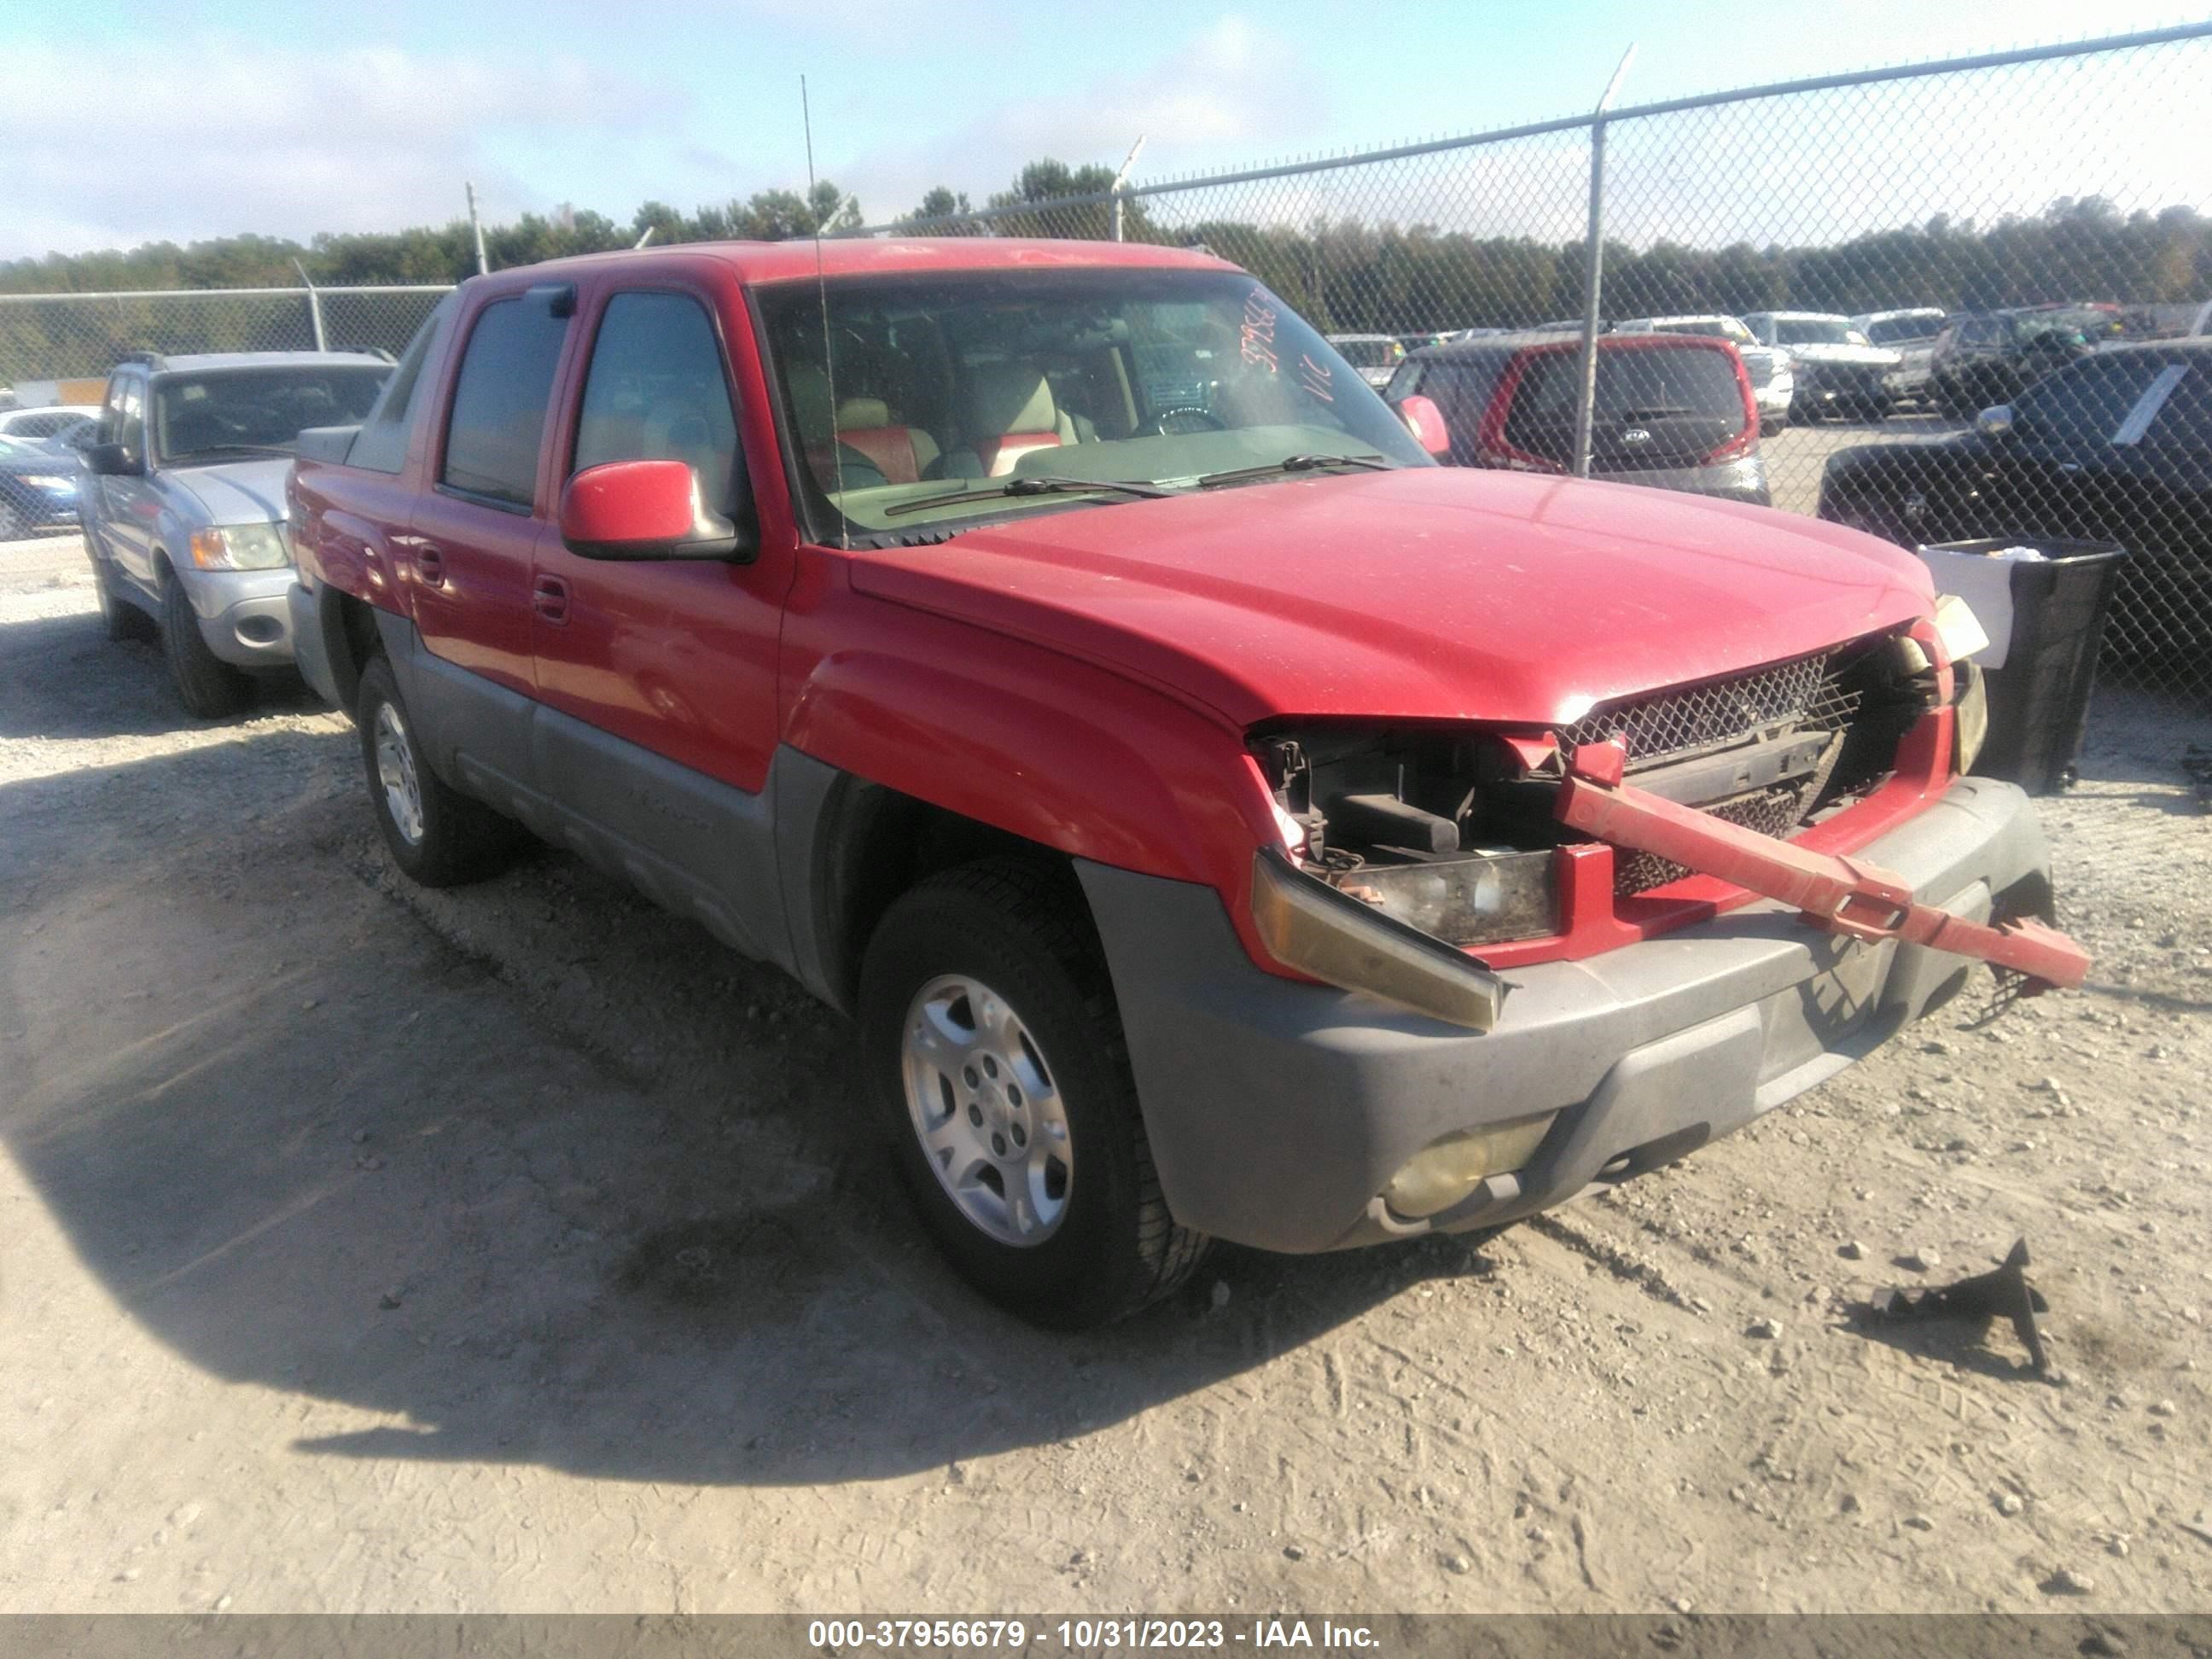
point(850, 256)
point(200, 362)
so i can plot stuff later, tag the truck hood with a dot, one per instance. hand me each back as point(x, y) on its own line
point(1424, 593)
point(1854, 355)
point(235, 492)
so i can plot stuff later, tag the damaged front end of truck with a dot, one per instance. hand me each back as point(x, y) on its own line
point(1471, 850)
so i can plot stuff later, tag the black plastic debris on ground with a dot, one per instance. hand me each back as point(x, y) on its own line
point(2197, 764)
point(2001, 1293)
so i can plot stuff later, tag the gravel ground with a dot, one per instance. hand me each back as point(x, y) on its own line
point(514, 1247)
point(1797, 455)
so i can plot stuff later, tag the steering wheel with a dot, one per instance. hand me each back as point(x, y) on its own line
point(1182, 419)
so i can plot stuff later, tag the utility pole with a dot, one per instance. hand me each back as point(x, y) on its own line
point(475, 229)
point(1122, 178)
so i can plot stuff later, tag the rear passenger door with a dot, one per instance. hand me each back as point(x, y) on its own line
point(658, 677)
point(466, 557)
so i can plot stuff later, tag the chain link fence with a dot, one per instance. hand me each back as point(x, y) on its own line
point(1891, 252)
point(56, 351)
point(2022, 215)
point(46, 339)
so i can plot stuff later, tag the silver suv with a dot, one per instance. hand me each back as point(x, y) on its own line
point(183, 505)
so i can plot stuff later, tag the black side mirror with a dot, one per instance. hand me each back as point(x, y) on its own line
point(112, 461)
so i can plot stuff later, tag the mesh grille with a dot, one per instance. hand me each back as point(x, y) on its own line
point(1769, 811)
point(1712, 716)
point(1819, 693)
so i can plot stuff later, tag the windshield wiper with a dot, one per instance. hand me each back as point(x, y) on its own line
point(1297, 464)
point(1028, 486)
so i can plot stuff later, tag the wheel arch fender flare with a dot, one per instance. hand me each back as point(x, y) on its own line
point(1101, 770)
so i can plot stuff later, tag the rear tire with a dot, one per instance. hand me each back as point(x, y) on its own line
point(438, 836)
point(1002, 957)
point(208, 687)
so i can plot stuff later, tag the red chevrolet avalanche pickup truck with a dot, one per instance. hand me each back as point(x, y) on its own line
point(1058, 659)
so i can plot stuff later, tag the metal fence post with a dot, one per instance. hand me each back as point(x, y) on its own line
point(1593, 275)
point(314, 307)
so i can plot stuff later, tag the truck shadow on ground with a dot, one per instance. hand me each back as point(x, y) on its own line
point(62, 679)
point(312, 1144)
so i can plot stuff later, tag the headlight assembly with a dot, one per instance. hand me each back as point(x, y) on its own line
point(243, 547)
point(1309, 926)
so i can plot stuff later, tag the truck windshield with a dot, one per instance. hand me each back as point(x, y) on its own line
point(228, 414)
point(940, 386)
point(1904, 330)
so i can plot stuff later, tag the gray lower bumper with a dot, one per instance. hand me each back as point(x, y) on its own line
point(1278, 1111)
point(243, 617)
point(309, 650)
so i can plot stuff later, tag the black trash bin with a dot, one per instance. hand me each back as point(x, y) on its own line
point(2040, 700)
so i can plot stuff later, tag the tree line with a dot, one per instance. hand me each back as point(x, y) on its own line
point(1345, 274)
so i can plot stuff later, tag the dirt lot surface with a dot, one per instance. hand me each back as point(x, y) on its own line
point(1796, 455)
point(514, 1247)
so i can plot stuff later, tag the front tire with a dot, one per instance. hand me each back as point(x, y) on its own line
point(437, 836)
point(994, 1055)
point(120, 619)
point(209, 688)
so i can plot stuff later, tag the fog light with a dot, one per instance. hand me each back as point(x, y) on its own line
point(1437, 1177)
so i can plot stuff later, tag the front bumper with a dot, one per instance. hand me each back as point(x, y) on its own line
point(1841, 385)
point(1278, 1111)
point(242, 614)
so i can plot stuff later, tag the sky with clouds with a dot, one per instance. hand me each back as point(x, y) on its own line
point(122, 123)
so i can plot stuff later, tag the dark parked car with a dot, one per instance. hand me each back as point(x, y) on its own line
point(1987, 357)
point(1674, 411)
point(37, 488)
point(2116, 446)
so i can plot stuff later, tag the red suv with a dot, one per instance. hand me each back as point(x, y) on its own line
point(1673, 411)
point(1057, 658)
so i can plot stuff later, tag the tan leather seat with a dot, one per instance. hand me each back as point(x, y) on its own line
point(901, 452)
point(1011, 412)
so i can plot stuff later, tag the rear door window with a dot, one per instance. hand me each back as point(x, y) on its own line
point(2090, 402)
point(498, 416)
point(380, 445)
point(2186, 422)
point(1461, 392)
